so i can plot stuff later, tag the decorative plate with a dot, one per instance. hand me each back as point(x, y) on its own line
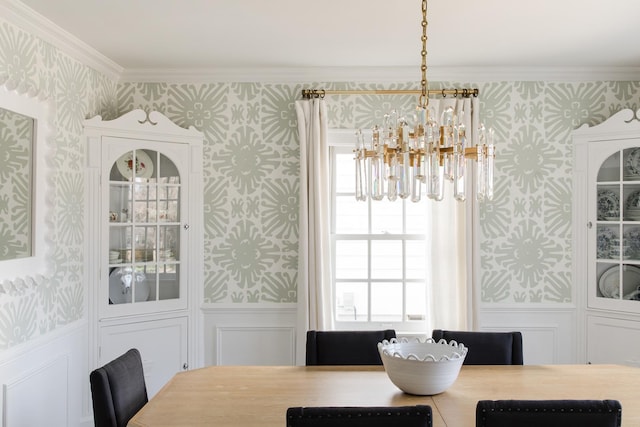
point(633, 201)
point(120, 282)
point(632, 163)
point(144, 165)
point(605, 235)
point(610, 280)
point(632, 239)
point(608, 204)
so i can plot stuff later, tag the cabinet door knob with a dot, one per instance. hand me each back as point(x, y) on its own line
point(589, 224)
point(186, 226)
point(185, 366)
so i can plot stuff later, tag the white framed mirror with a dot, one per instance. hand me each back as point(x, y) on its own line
point(25, 186)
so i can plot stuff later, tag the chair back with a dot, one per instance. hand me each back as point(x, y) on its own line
point(486, 348)
point(118, 390)
point(345, 347)
point(405, 416)
point(548, 413)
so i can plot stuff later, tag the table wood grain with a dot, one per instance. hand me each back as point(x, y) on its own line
point(260, 395)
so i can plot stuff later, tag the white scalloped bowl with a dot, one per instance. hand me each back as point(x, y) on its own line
point(422, 367)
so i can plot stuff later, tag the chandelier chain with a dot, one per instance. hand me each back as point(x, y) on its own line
point(424, 96)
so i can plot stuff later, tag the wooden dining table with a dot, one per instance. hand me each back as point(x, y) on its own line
point(241, 396)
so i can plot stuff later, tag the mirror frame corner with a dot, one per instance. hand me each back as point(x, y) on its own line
point(39, 264)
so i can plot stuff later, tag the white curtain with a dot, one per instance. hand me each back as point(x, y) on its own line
point(450, 299)
point(314, 281)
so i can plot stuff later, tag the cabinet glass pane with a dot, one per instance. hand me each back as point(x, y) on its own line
point(167, 172)
point(612, 284)
point(168, 244)
point(608, 241)
point(144, 203)
point(631, 202)
point(120, 244)
point(144, 243)
point(128, 285)
point(169, 286)
point(631, 164)
point(168, 203)
point(609, 207)
point(630, 244)
point(610, 168)
point(133, 165)
point(119, 202)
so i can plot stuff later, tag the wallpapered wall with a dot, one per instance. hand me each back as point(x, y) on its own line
point(74, 91)
point(251, 188)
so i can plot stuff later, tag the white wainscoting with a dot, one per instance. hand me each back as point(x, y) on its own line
point(244, 334)
point(45, 382)
point(548, 334)
point(44, 387)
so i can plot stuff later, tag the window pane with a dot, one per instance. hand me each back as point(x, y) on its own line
point(386, 302)
point(417, 217)
point(386, 217)
point(416, 258)
point(351, 216)
point(416, 301)
point(351, 301)
point(386, 259)
point(345, 173)
point(351, 259)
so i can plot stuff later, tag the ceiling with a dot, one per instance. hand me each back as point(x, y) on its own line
point(146, 35)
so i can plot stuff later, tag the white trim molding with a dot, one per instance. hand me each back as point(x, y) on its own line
point(17, 13)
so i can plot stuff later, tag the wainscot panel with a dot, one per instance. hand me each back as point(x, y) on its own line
point(249, 334)
point(51, 374)
point(548, 334)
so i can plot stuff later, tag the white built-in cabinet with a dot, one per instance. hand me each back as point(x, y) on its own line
point(144, 234)
point(606, 238)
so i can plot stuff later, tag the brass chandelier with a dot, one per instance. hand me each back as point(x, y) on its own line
point(409, 152)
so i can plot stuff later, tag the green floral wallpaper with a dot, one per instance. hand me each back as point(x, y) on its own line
point(30, 307)
point(251, 166)
point(251, 185)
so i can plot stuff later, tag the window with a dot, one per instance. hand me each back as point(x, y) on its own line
point(379, 253)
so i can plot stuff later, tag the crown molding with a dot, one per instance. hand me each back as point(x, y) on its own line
point(382, 74)
point(22, 16)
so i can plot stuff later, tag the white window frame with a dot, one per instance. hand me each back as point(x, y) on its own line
point(343, 141)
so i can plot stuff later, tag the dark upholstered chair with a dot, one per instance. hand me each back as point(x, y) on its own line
point(405, 416)
point(345, 347)
point(548, 413)
point(486, 348)
point(118, 390)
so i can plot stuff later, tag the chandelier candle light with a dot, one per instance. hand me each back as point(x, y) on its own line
point(408, 151)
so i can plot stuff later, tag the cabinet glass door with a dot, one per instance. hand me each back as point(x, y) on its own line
point(144, 229)
point(618, 226)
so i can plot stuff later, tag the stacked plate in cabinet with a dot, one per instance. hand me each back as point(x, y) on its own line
point(608, 205)
point(632, 206)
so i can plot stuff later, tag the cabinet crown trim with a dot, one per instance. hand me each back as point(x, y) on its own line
point(154, 122)
point(626, 119)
